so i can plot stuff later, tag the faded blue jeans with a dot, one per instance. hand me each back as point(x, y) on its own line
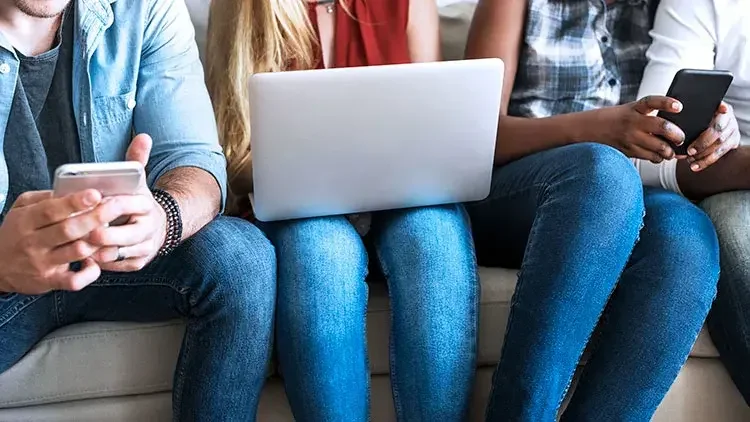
point(426, 256)
point(729, 320)
point(571, 218)
point(222, 280)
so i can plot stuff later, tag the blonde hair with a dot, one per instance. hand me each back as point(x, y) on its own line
point(247, 37)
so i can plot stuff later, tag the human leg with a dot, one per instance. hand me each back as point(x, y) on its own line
point(654, 315)
point(320, 321)
point(24, 320)
point(570, 216)
point(729, 319)
point(223, 280)
point(427, 258)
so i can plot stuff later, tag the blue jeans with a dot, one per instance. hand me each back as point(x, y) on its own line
point(427, 258)
point(222, 280)
point(571, 218)
point(729, 320)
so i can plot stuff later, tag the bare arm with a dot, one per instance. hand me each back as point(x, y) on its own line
point(497, 31)
point(423, 31)
point(197, 194)
point(726, 175)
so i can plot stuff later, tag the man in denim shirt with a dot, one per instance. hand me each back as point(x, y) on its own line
point(77, 79)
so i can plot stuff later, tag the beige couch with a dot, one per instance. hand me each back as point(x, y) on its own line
point(123, 372)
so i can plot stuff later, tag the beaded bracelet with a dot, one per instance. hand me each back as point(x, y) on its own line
point(174, 221)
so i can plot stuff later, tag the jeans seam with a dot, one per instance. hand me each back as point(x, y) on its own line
point(17, 308)
point(593, 329)
point(397, 405)
point(59, 312)
point(146, 281)
point(477, 298)
point(509, 324)
point(519, 286)
point(180, 375)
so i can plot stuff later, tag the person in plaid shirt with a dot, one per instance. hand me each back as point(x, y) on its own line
point(595, 246)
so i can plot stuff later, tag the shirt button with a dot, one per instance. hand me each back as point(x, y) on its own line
point(131, 104)
point(4, 68)
point(612, 82)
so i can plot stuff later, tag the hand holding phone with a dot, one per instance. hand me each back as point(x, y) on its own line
point(722, 136)
point(110, 179)
point(132, 246)
point(41, 235)
point(701, 93)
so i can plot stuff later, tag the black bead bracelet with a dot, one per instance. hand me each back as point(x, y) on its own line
point(174, 221)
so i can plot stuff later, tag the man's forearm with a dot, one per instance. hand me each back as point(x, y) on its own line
point(730, 173)
point(197, 194)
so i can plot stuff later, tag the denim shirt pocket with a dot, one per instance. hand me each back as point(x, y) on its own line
point(113, 125)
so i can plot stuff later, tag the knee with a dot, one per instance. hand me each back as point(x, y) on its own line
point(440, 235)
point(427, 230)
point(685, 239)
point(604, 175)
point(319, 259)
point(236, 261)
point(605, 169)
point(599, 181)
point(730, 213)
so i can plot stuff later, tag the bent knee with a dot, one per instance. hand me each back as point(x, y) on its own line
point(682, 234)
point(604, 175)
point(325, 254)
point(231, 245)
point(730, 213)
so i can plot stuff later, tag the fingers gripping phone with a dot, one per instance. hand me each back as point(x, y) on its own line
point(110, 179)
point(701, 93)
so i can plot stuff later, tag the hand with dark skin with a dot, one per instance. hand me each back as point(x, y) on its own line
point(722, 136)
point(731, 173)
point(497, 31)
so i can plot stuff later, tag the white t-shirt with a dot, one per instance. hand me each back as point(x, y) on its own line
point(698, 34)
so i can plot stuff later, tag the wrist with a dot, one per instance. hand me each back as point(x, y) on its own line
point(582, 127)
point(173, 221)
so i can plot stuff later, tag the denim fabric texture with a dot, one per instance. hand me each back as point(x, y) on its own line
point(573, 219)
point(426, 256)
point(222, 281)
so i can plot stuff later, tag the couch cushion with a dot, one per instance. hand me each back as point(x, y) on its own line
point(112, 359)
point(94, 360)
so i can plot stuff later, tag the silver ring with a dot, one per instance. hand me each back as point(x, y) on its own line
point(120, 256)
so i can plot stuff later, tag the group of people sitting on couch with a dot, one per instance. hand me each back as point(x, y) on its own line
point(619, 241)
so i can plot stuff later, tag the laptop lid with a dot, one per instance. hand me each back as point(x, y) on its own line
point(347, 140)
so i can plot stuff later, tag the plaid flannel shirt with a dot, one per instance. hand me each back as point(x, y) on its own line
point(581, 55)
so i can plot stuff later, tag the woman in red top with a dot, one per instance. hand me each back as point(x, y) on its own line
point(425, 254)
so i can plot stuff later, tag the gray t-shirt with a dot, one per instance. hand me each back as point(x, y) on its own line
point(41, 132)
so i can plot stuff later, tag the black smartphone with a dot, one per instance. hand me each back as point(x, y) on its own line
point(701, 93)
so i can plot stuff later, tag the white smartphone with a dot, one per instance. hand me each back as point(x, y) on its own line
point(116, 178)
point(110, 179)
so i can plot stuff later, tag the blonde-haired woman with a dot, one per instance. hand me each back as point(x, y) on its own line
point(425, 254)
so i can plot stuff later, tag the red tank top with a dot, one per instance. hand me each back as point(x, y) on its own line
point(372, 33)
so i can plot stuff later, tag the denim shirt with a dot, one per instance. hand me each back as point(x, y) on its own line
point(135, 70)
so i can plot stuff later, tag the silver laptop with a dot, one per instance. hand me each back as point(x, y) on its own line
point(340, 141)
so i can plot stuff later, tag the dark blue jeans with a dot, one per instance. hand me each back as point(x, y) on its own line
point(222, 280)
point(426, 255)
point(729, 320)
point(571, 218)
